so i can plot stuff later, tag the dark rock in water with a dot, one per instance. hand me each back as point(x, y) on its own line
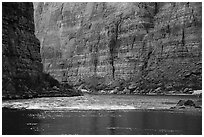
point(186, 103)
point(189, 103)
point(172, 107)
point(181, 102)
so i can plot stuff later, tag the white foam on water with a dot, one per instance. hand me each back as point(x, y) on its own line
point(196, 92)
point(80, 107)
point(36, 107)
point(90, 103)
point(64, 106)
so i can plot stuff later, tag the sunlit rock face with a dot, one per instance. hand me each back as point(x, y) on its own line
point(150, 43)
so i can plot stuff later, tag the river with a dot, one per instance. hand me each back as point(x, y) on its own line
point(99, 115)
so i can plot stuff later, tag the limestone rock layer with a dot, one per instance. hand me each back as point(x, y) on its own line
point(153, 44)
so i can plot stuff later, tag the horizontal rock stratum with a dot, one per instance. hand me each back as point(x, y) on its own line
point(149, 44)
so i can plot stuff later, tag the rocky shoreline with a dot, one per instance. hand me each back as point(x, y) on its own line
point(134, 90)
point(66, 90)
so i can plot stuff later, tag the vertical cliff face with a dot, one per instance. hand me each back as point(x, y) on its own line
point(20, 49)
point(86, 39)
point(175, 58)
point(154, 43)
point(21, 61)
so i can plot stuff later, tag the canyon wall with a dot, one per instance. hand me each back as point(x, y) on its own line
point(149, 44)
point(22, 70)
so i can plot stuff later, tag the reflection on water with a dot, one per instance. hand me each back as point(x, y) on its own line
point(99, 122)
